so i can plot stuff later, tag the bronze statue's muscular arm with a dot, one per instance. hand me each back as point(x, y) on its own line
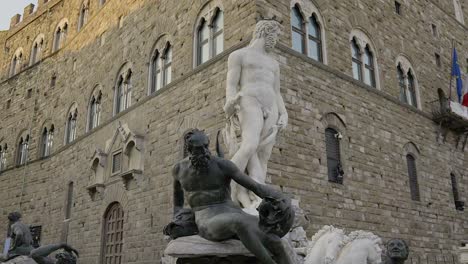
point(178, 191)
point(40, 254)
point(260, 190)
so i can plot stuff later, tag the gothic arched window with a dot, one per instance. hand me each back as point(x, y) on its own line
point(407, 82)
point(123, 91)
point(94, 111)
point(36, 52)
point(209, 36)
point(23, 147)
point(16, 63)
point(47, 140)
point(60, 36)
point(298, 30)
point(71, 126)
point(113, 235)
point(83, 18)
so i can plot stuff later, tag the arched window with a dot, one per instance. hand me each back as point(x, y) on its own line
point(83, 18)
point(123, 91)
point(71, 126)
point(57, 40)
point(407, 82)
point(94, 111)
point(332, 142)
point(209, 36)
point(16, 63)
point(298, 30)
point(357, 61)
point(47, 141)
point(203, 46)
point(369, 71)
point(3, 157)
point(36, 51)
point(23, 147)
point(401, 84)
point(113, 235)
point(218, 33)
point(60, 35)
point(413, 177)
point(167, 71)
point(315, 39)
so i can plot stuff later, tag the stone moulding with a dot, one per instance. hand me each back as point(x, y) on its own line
point(133, 174)
point(96, 191)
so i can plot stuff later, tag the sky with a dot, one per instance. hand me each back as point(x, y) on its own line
point(9, 8)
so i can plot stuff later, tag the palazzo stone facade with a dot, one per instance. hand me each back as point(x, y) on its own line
point(127, 158)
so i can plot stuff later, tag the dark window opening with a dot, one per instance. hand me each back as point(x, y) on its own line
point(398, 7)
point(434, 30)
point(332, 142)
point(437, 60)
point(459, 205)
point(69, 201)
point(413, 177)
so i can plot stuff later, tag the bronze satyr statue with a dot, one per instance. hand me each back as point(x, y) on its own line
point(21, 239)
point(397, 251)
point(206, 179)
point(69, 256)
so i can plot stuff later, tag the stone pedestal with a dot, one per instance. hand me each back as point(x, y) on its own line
point(464, 255)
point(197, 250)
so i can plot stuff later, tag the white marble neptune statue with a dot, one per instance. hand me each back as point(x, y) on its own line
point(254, 106)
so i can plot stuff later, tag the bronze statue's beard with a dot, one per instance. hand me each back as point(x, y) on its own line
point(200, 162)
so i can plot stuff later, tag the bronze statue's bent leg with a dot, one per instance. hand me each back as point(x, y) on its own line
point(217, 223)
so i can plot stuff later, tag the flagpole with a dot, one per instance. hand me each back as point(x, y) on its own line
point(451, 71)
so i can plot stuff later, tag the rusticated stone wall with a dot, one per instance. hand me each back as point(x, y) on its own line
point(376, 127)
